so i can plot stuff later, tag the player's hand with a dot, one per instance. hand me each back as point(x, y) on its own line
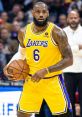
point(9, 76)
point(39, 75)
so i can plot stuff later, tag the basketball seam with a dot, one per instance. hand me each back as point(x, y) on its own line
point(18, 69)
point(24, 72)
point(21, 68)
point(19, 75)
point(16, 73)
point(18, 64)
point(13, 67)
point(21, 71)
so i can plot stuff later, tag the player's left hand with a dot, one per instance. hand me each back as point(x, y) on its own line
point(39, 75)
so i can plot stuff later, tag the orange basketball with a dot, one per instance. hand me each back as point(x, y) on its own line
point(19, 69)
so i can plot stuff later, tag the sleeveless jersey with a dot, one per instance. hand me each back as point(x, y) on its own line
point(41, 51)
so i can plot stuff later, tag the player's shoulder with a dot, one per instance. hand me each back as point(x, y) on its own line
point(21, 33)
point(21, 36)
point(57, 30)
point(58, 34)
point(23, 30)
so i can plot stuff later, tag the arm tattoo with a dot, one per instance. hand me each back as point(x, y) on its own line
point(60, 38)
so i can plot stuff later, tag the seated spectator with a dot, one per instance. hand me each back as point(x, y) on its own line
point(27, 5)
point(13, 47)
point(21, 18)
point(5, 38)
point(56, 9)
point(15, 29)
point(3, 61)
point(62, 21)
point(1, 24)
point(1, 7)
point(5, 24)
point(13, 13)
point(75, 5)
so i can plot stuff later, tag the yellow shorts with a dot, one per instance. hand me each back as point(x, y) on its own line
point(51, 90)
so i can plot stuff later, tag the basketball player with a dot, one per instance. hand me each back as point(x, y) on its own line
point(46, 49)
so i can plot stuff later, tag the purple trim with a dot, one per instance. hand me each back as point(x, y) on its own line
point(65, 92)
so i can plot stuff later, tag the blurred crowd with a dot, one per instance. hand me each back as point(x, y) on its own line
point(15, 14)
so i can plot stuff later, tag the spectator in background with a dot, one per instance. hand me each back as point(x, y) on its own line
point(13, 13)
point(73, 74)
point(1, 7)
point(21, 18)
point(56, 9)
point(5, 38)
point(1, 24)
point(29, 16)
point(60, 8)
point(8, 4)
point(53, 13)
point(15, 29)
point(13, 47)
point(2, 55)
point(3, 61)
point(62, 21)
point(80, 12)
point(5, 24)
point(27, 5)
point(75, 4)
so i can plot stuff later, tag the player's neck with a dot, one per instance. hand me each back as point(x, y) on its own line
point(38, 29)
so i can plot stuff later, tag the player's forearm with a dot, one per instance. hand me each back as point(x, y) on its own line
point(60, 65)
point(60, 37)
point(19, 55)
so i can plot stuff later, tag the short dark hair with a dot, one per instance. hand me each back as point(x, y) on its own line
point(40, 3)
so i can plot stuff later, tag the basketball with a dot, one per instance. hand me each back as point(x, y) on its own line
point(19, 69)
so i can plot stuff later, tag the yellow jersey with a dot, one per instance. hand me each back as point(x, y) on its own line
point(41, 50)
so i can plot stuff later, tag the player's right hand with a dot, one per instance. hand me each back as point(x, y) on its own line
point(9, 76)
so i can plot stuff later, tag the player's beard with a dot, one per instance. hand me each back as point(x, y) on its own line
point(40, 23)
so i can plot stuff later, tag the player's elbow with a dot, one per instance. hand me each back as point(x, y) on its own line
point(70, 60)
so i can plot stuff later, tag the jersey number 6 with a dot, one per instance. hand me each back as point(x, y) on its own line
point(36, 54)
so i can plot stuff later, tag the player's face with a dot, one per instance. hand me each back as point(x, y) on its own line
point(40, 15)
point(73, 20)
